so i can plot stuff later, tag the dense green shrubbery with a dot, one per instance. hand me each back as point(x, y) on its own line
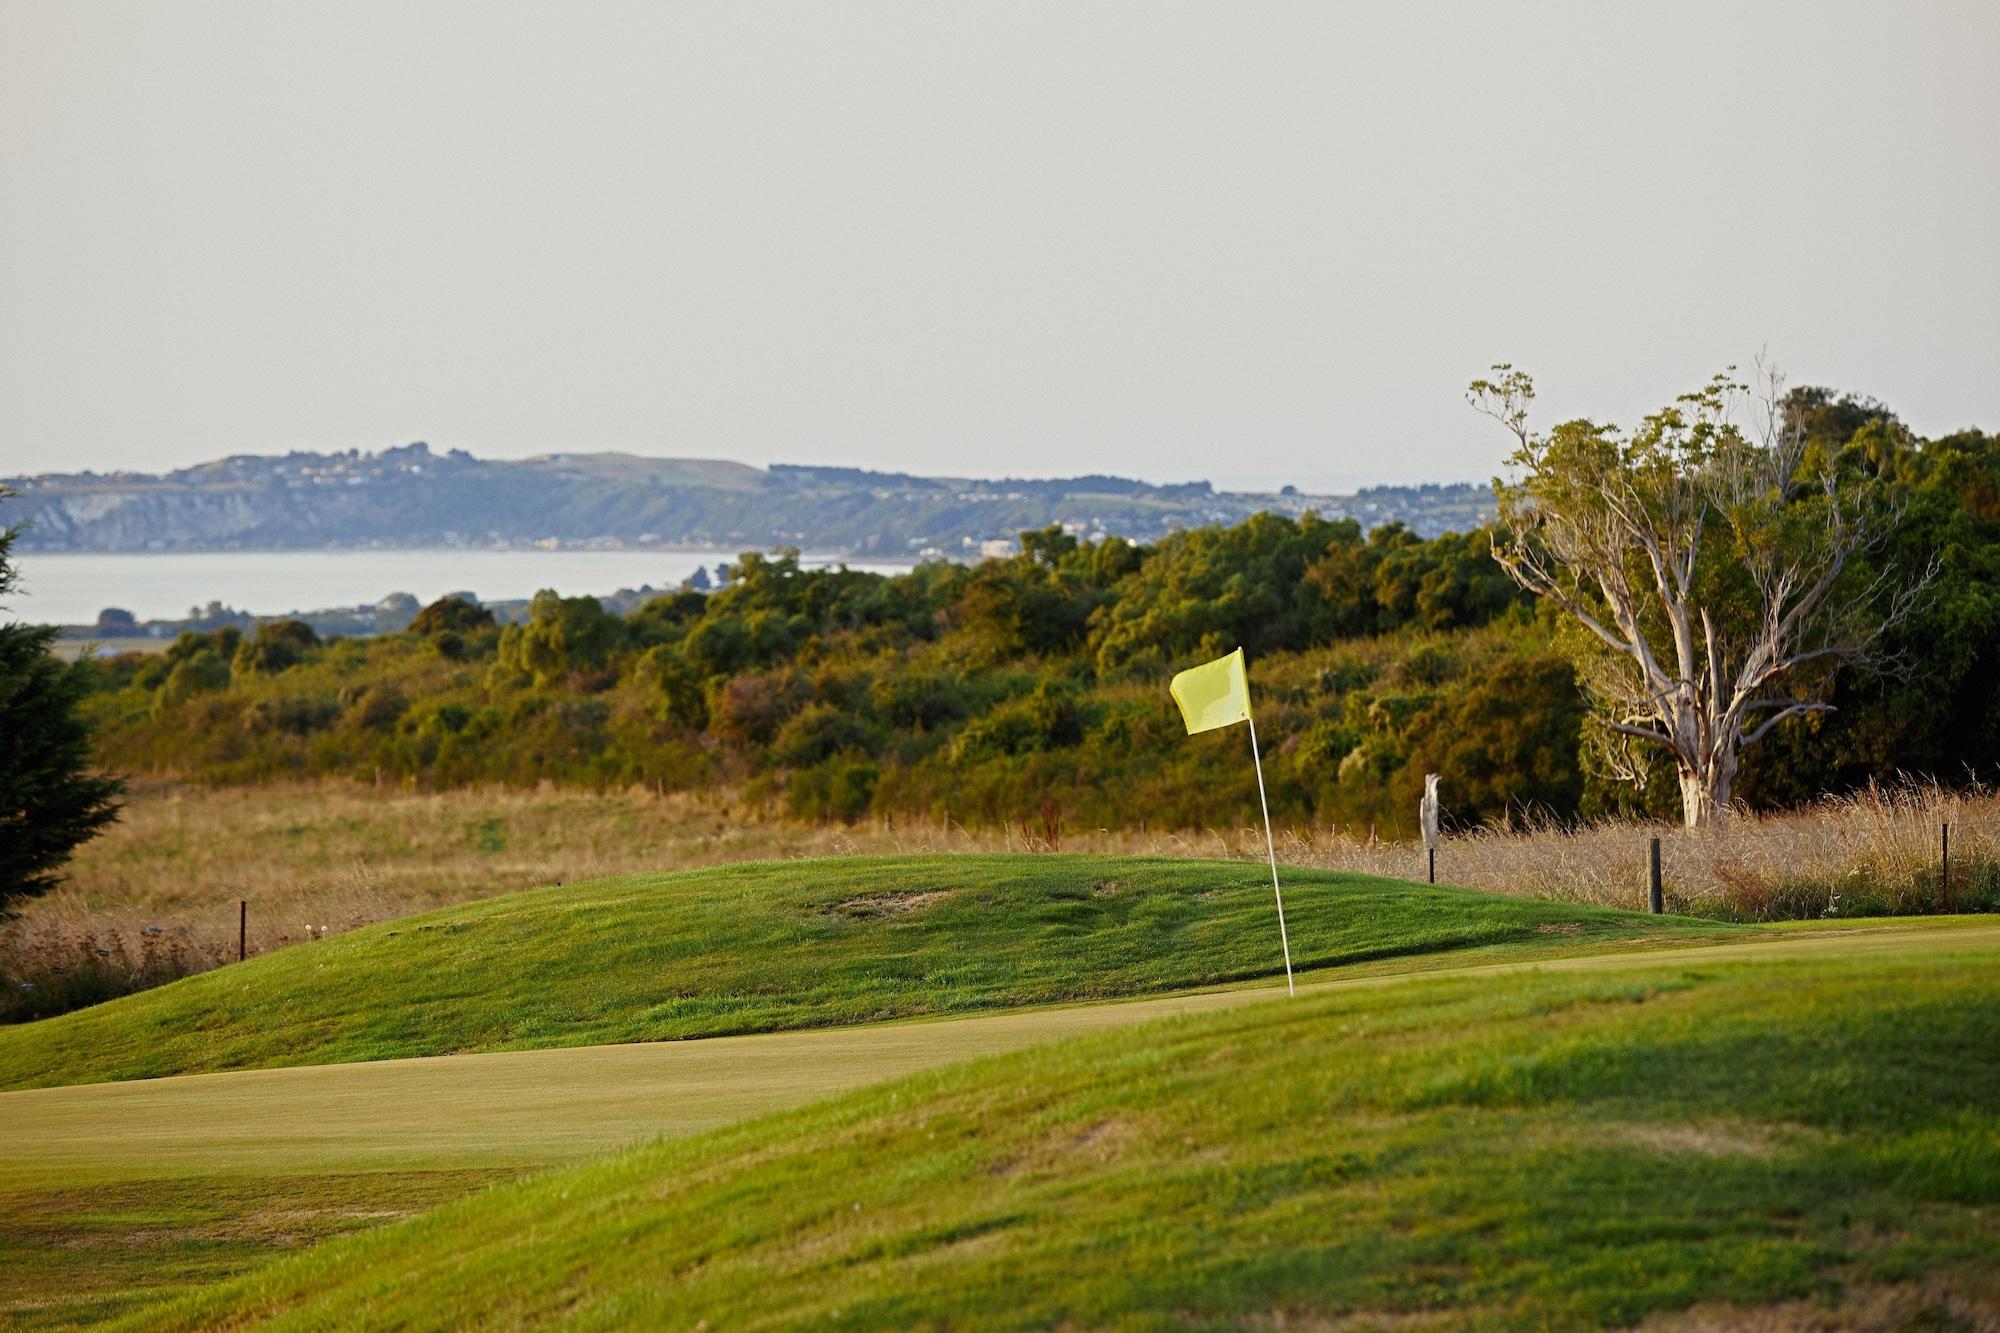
point(975, 692)
point(982, 692)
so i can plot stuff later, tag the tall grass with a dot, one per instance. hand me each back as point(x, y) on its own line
point(1876, 852)
point(156, 896)
point(68, 965)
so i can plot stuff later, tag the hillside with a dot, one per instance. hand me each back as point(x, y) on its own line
point(775, 945)
point(411, 496)
point(1799, 1142)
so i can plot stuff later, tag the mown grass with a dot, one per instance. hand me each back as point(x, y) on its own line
point(771, 946)
point(1721, 1140)
point(115, 1194)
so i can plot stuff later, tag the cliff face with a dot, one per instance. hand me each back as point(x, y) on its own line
point(137, 520)
point(412, 497)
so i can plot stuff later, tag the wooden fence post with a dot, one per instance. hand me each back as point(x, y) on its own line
point(1944, 866)
point(1655, 897)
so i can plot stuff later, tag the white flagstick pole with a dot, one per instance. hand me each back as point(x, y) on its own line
point(1272, 846)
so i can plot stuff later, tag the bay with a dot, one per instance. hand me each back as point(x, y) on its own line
point(71, 588)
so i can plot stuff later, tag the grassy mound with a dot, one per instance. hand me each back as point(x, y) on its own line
point(775, 945)
point(1813, 1138)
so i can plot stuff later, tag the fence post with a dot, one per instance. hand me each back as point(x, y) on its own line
point(242, 930)
point(1434, 863)
point(1944, 865)
point(1656, 901)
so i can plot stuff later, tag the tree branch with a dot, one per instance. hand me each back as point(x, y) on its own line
point(1793, 710)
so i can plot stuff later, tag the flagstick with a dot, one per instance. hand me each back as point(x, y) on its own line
point(1271, 846)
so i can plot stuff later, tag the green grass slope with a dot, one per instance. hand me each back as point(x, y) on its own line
point(775, 945)
point(1797, 1143)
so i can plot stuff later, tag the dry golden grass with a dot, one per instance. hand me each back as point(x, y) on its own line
point(156, 896)
point(315, 858)
point(327, 856)
point(1874, 853)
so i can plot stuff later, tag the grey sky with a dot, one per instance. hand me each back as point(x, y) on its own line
point(1255, 243)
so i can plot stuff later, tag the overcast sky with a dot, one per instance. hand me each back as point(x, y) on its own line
point(1255, 243)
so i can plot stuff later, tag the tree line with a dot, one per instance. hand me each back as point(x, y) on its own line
point(982, 692)
point(971, 691)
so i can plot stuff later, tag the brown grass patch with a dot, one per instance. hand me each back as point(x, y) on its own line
point(1097, 1144)
point(1710, 1138)
point(887, 904)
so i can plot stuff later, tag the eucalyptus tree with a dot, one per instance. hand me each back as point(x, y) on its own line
point(1711, 580)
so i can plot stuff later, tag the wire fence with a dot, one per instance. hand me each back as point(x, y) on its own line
point(1881, 851)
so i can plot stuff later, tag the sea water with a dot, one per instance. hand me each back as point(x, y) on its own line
point(70, 589)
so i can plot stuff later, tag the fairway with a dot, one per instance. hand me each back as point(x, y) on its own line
point(333, 1148)
point(506, 1109)
point(520, 1108)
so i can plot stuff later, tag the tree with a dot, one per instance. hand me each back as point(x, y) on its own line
point(562, 635)
point(1713, 581)
point(1205, 591)
point(451, 615)
point(49, 801)
point(279, 644)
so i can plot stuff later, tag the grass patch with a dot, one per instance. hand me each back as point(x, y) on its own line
point(87, 1253)
point(1537, 1149)
point(771, 946)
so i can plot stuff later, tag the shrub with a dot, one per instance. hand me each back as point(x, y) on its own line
point(749, 708)
point(917, 698)
point(290, 714)
point(198, 673)
point(838, 789)
point(450, 615)
point(682, 699)
point(378, 707)
point(279, 644)
point(563, 634)
point(818, 732)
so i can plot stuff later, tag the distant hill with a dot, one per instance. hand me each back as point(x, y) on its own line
point(410, 496)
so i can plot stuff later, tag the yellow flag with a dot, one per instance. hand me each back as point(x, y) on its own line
point(1216, 694)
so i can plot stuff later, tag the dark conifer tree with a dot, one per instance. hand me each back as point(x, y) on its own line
point(50, 801)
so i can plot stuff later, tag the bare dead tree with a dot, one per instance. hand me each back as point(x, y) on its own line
point(1714, 579)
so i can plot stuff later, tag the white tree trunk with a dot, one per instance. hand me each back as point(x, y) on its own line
point(1614, 529)
point(1706, 790)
